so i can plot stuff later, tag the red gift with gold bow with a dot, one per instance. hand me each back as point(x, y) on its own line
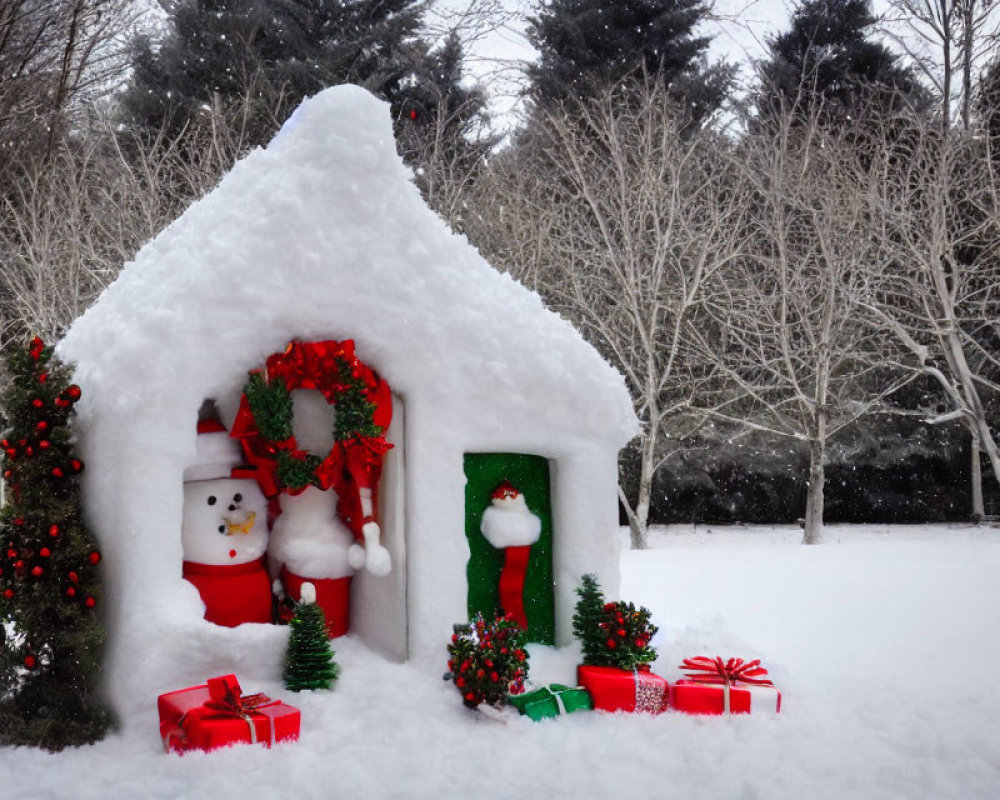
point(218, 714)
point(724, 686)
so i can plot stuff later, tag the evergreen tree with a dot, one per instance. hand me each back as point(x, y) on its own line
point(309, 661)
point(585, 45)
point(825, 63)
point(271, 53)
point(443, 128)
point(49, 578)
point(587, 620)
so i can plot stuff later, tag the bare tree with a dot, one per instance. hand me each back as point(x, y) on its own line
point(53, 52)
point(618, 216)
point(793, 358)
point(71, 222)
point(937, 201)
point(948, 41)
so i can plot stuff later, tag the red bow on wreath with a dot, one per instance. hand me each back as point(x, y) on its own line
point(714, 670)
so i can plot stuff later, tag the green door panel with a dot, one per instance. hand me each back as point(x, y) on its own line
point(530, 474)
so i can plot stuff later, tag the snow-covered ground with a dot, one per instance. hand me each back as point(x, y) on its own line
point(883, 642)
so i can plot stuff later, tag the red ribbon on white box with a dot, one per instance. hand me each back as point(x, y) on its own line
point(748, 675)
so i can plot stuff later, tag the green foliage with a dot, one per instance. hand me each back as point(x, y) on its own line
point(353, 412)
point(309, 661)
point(586, 45)
point(487, 661)
point(587, 620)
point(271, 405)
point(297, 472)
point(272, 53)
point(827, 63)
point(50, 584)
point(611, 634)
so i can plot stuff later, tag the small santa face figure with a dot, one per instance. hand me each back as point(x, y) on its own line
point(507, 521)
point(225, 521)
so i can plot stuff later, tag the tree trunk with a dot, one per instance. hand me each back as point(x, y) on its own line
point(817, 478)
point(639, 522)
point(978, 510)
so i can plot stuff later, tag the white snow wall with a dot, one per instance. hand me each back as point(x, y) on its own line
point(323, 236)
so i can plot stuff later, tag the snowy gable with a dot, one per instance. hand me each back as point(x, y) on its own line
point(321, 237)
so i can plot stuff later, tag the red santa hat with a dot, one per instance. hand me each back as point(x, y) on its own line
point(505, 491)
point(216, 455)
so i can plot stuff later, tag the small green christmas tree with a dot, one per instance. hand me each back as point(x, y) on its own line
point(51, 632)
point(611, 634)
point(587, 620)
point(309, 661)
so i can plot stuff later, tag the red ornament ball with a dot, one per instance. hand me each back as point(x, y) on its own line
point(42, 426)
point(74, 578)
point(71, 591)
point(72, 392)
point(94, 557)
point(38, 402)
point(620, 632)
point(90, 602)
point(42, 377)
point(45, 552)
point(45, 444)
point(76, 464)
point(18, 520)
point(11, 553)
point(29, 661)
point(37, 572)
point(8, 594)
point(57, 472)
point(53, 531)
point(612, 644)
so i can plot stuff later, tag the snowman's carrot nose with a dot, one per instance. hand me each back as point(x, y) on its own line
point(245, 526)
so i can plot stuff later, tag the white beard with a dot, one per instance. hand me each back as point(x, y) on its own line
point(509, 523)
point(309, 538)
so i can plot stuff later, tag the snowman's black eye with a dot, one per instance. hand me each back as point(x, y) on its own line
point(222, 529)
point(237, 498)
point(211, 500)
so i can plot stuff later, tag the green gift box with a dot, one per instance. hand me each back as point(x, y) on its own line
point(551, 701)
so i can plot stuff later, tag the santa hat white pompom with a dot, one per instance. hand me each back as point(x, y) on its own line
point(215, 453)
point(307, 594)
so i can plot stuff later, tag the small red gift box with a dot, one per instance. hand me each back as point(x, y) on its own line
point(614, 689)
point(714, 686)
point(217, 715)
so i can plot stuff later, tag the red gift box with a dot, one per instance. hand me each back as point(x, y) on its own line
point(614, 689)
point(217, 714)
point(714, 686)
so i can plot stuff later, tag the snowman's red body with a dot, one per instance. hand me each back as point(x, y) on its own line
point(232, 593)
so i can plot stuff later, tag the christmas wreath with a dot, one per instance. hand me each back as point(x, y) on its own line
point(362, 411)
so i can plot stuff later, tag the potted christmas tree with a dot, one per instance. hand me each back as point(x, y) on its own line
point(615, 640)
point(52, 633)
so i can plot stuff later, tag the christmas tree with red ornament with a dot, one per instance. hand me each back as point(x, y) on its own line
point(49, 567)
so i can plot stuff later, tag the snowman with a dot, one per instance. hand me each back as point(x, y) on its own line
point(224, 532)
point(509, 525)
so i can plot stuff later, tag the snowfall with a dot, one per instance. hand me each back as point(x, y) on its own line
point(881, 640)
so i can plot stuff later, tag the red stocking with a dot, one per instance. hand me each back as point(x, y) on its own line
point(512, 582)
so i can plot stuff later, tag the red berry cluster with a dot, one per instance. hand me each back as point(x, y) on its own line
point(628, 631)
point(487, 661)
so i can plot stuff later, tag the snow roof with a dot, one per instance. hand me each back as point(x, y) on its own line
point(322, 235)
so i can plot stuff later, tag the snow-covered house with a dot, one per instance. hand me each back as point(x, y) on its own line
point(322, 236)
